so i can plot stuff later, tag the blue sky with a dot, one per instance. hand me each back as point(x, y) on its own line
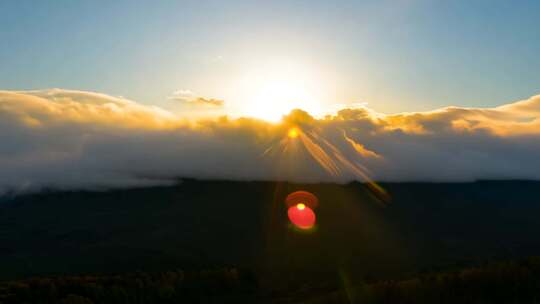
point(394, 55)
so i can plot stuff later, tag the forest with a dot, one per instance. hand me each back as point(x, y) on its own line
point(511, 281)
point(231, 242)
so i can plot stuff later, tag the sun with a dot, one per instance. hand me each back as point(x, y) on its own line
point(277, 98)
point(273, 92)
point(293, 132)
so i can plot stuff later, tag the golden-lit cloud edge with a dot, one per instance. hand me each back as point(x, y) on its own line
point(74, 139)
point(189, 97)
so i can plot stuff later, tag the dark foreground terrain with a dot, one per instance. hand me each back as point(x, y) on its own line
point(501, 282)
point(240, 231)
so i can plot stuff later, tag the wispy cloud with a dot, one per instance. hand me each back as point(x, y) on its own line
point(73, 139)
point(187, 96)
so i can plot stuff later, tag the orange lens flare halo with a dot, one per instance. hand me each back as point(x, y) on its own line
point(302, 197)
point(301, 205)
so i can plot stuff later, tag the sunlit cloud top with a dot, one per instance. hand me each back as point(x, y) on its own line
point(75, 139)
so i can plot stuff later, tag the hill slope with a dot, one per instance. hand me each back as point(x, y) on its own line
point(200, 224)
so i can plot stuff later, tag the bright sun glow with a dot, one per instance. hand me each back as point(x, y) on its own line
point(274, 91)
point(293, 132)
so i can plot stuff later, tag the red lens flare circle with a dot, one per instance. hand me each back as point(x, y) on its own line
point(301, 216)
point(301, 206)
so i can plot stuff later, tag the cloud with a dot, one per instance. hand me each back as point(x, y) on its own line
point(72, 140)
point(187, 96)
point(210, 101)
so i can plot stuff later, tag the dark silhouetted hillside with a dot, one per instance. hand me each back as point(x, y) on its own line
point(209, 224)
point(512, 281)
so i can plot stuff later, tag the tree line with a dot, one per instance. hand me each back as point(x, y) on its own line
point(513, 281)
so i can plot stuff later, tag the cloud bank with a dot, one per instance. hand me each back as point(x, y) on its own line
point(83, 140)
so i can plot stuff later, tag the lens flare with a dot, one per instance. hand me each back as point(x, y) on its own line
point(302, 199)
point(301, 206)
point(302, 216)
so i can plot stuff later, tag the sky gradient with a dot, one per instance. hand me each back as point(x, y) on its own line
point(395, 55)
